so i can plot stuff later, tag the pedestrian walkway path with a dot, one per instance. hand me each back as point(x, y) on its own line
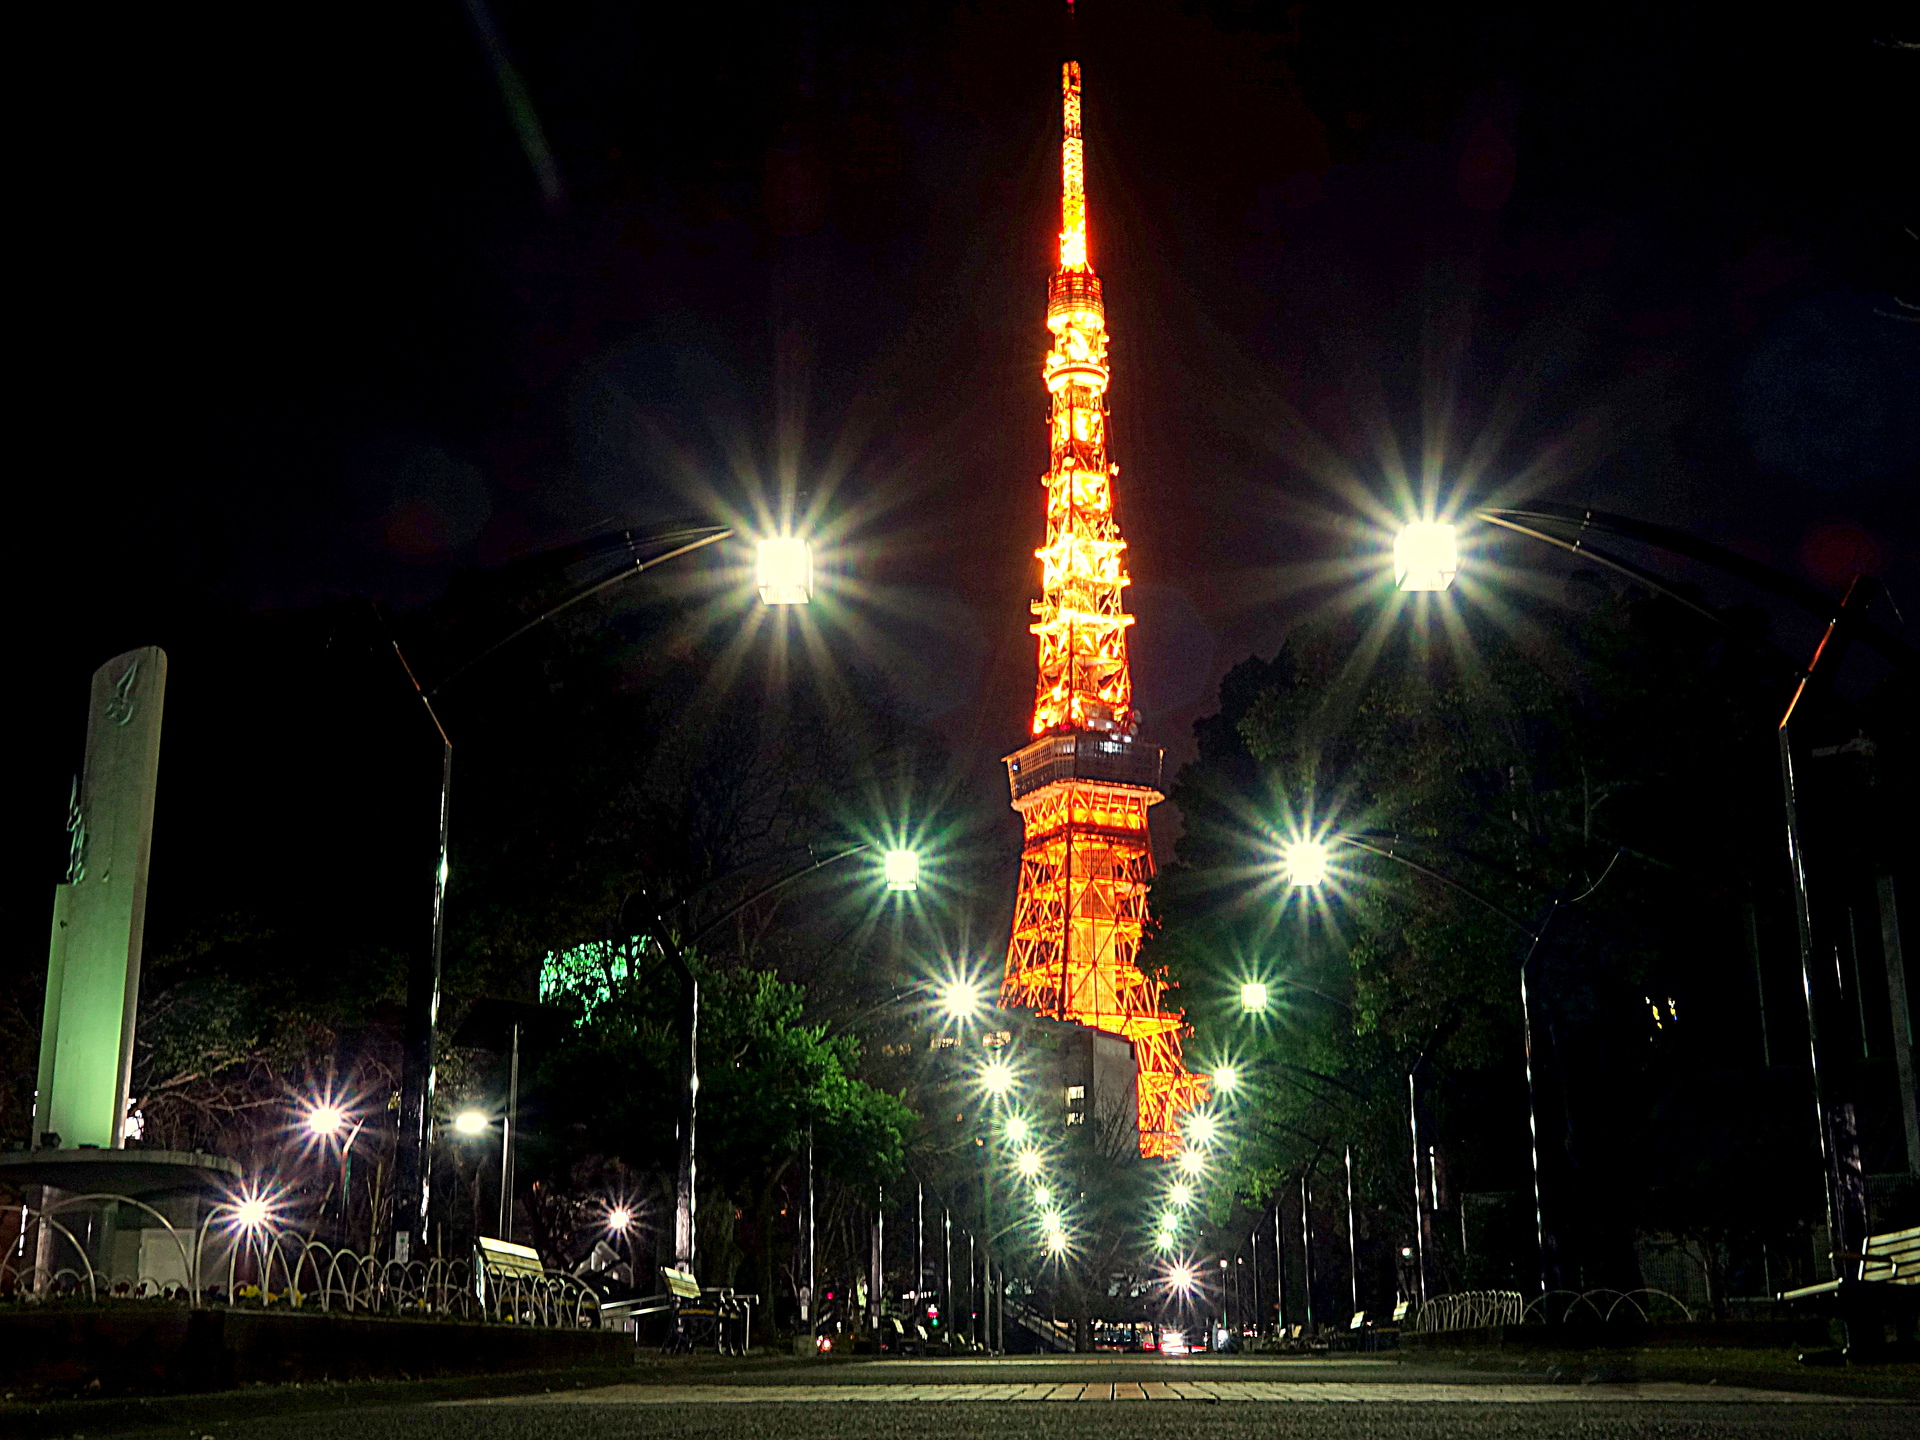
point(1295, 1392)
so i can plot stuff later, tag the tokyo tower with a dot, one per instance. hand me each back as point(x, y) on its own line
point(1083, 786)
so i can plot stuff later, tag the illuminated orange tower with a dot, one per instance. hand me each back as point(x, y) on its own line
point(1083, 786)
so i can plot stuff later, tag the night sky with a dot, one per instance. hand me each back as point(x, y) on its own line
point(305, 325)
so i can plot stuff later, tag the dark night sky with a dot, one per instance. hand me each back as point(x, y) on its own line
point(307, 328)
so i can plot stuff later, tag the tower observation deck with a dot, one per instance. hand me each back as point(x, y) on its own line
point(1084, 784)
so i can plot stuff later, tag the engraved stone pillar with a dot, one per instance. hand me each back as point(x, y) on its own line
point(93, 962)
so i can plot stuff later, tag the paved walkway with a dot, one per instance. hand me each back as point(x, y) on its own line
point(1291, 1392)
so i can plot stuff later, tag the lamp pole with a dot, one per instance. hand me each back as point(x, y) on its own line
point(1842, 1173)
point(413, 1161)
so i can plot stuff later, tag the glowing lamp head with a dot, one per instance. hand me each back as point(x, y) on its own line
point(1306, 862)
point(1018, 1130)
point(1043, 1197)
point(1027, 1162)
point(1181, 1277)
point(1056, 1242)
point(471, 1122)
point(1191, 1162)
point(1051, 1223)
point(326, 1120)
point(1181, 1195)
point(1202, 1128)
point(1426, 556)
point(903, 870)
point(960, 999)
point(996, 1077)
point(784, 571)
point(252, 1213)
point(1163, 1238)
point(1253, 997)
point(1226, 1078)
point(619, 1219)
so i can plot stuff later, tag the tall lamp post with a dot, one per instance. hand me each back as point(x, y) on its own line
point(784, 576)
point(901, 872)
point(1426, 558)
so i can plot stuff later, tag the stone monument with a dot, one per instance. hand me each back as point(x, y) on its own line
point(93, 974)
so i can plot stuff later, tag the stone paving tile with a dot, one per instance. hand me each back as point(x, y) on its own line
point(1223, 1392)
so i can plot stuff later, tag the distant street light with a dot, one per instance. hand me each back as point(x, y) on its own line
point(326, 1121)
point(784, 571)
point(1202, 1128)
point(1181, 1195)
point(1253, 996)
point(1018, 1130)
point(1426, 556)
point(253, 1212)
point(1305, 861)
point(472, 1122)
point(619, 1219)
point(996, 1077)
point(1192, 1162)
point(960, 999)
point(1028, 1163)
point(1226, 1078)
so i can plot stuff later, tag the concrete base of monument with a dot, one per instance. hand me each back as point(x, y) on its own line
point(135, 1174)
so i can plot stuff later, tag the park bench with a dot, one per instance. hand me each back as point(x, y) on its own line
point(1886, 1294)
point(715, 1315)
point(512, 1284)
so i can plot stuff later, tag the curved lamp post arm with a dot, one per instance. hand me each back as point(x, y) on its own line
point(1444, 879)
point(1678, 542)
point(712, 537)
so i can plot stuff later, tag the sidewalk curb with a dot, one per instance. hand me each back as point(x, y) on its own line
point(58, 1418)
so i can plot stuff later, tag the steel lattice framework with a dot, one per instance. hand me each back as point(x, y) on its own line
point(1083, 787)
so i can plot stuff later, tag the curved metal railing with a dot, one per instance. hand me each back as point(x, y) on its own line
point(267, 1268)
point(1483, 1309)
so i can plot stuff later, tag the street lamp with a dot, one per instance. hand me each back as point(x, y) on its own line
point(1305, 862)
point(996, 1078)
point(1426, 556)
point(1027, 1162)
point(785, 575)
point(960, 999)
point(902, 869)
point(1018, 1130)
point(1191, 1162)
point(1226, 1078)
point(1253, 997)
point(784, 571)
point(1202, 1128)
point(472, 1122)
point(324, 1122)
point(1181, 1194)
